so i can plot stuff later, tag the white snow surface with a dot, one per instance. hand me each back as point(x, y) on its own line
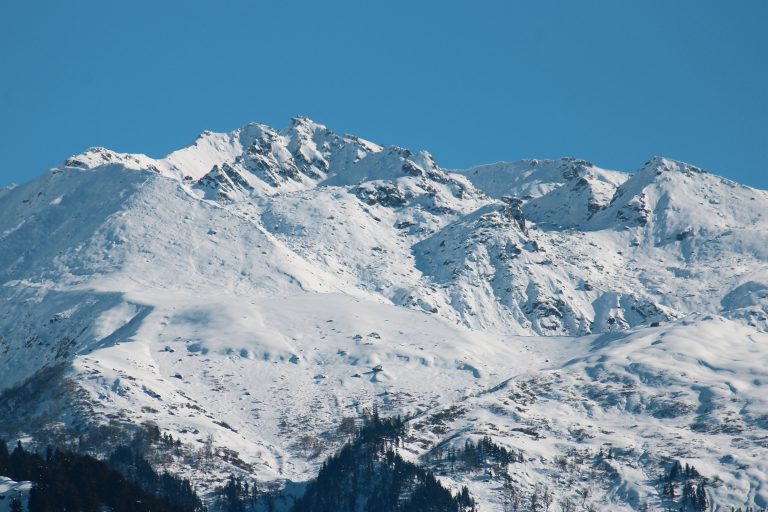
point(11, 490)
point(257, 286)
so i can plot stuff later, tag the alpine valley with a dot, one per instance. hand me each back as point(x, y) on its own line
point(552, 334)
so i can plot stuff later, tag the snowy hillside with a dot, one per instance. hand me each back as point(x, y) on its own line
point(10, 491)
point(249, 292)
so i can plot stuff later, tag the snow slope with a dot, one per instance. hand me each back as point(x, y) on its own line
point(249, 291)
point(11, 490)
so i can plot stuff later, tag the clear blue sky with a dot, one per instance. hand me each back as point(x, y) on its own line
point(611, 81)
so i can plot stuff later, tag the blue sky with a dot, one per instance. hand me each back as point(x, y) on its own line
point(611, 81)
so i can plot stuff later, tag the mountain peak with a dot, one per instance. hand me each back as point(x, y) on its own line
point(532, 178)
point(98, 156)
point(300, 120)
point(660, 165)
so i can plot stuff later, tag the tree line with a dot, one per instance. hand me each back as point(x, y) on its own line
point(365, 475)
point(66, 481)
point(368, 475)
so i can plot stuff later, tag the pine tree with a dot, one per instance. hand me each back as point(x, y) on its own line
point(465, 500)
point(689, 495)
point(567, 505)
point(546, 498)
point(534, 502)
point(675, 471)
point(701, 501)
point(5, 459)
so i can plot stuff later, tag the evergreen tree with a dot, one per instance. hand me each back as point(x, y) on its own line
point(675, 471)
point(689, 495)
point(72, 482)
point(367, 475)
point(701, 501)
point(5, 458)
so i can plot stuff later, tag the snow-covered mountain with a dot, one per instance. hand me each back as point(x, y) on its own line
point(250, 291)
